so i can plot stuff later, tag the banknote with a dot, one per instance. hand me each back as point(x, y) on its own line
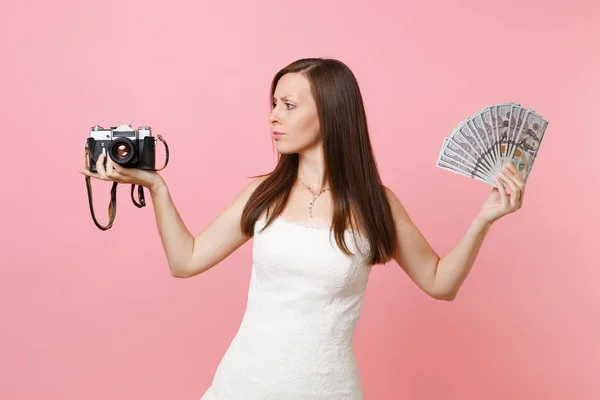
point(465, 137)
point(519, 116)
point(458, 145)
point(451, 149)
point(478, 135)
point(483, 124)
point(504, 125)
point(451, 162)
point(527, 143)
point(483, 143)
point(496, 144)
point(461, 164)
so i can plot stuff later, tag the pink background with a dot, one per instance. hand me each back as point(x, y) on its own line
point(95, 315)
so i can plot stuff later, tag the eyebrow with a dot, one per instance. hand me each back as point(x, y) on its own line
point(284, 97)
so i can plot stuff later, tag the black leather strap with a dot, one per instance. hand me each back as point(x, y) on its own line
point(142, 201)
point(159, 137)
point(112, 206)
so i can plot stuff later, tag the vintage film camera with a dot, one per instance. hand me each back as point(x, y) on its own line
point(128, 147)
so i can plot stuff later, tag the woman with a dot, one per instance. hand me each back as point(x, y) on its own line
point(320, 220)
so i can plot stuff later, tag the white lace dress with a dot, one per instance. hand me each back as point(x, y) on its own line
point(296, 337)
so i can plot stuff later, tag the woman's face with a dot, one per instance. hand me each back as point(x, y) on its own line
point(294, 115)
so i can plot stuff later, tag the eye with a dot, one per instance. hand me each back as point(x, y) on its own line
point(274, 104)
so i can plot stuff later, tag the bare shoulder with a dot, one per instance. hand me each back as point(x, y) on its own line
point(249, 189)
point(235, 209)
point(223, 235)
point(398, 211)
point(257, 181)
point(413, 253)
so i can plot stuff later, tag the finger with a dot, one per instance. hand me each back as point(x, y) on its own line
point(100, 165)
point(112, 171)
point(511, 171)
point(116, 167)
point(520, 182)
point(522, 194)
point(89, 173)
point(515, 192)
point(109, 166)
point(518, 178)
point(503, 194)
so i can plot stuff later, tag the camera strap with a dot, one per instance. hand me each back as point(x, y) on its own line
point(112, 205)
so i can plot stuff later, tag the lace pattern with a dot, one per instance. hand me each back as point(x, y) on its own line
point(295, 340)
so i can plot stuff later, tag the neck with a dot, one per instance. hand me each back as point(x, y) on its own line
point(311, 170)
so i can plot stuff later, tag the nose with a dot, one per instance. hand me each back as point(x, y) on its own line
point(273, 116)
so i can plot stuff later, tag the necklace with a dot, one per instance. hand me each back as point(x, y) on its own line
point(315, 196)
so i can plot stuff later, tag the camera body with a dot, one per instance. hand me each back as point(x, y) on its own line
point(128, 147)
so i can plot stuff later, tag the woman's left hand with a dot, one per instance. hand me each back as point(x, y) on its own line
point(499, 203)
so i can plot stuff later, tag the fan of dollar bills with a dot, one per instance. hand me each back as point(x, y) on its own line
point(481, 145)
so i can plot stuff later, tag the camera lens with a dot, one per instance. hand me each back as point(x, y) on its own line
point(122, 150)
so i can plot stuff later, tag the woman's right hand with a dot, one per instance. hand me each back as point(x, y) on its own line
point(117, 173)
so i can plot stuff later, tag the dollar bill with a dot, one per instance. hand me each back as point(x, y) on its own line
point(519, 116)
point(463, 164)
point(455, 164)
point(504, 126)
point(465, 132)
point(482, 144)
point(459, 146)
point(527, 143)
point(494, 117)
point(488, 121)
point(481, 141)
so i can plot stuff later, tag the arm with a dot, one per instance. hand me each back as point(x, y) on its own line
point(188, 255)
point(442, 277)
point(454, 267)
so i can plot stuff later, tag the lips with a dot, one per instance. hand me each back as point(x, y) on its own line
point(275, 133)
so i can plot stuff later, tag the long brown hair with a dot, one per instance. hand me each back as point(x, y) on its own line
point(350, 167)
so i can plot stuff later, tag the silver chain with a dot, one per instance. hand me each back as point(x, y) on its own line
point(315, 196)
